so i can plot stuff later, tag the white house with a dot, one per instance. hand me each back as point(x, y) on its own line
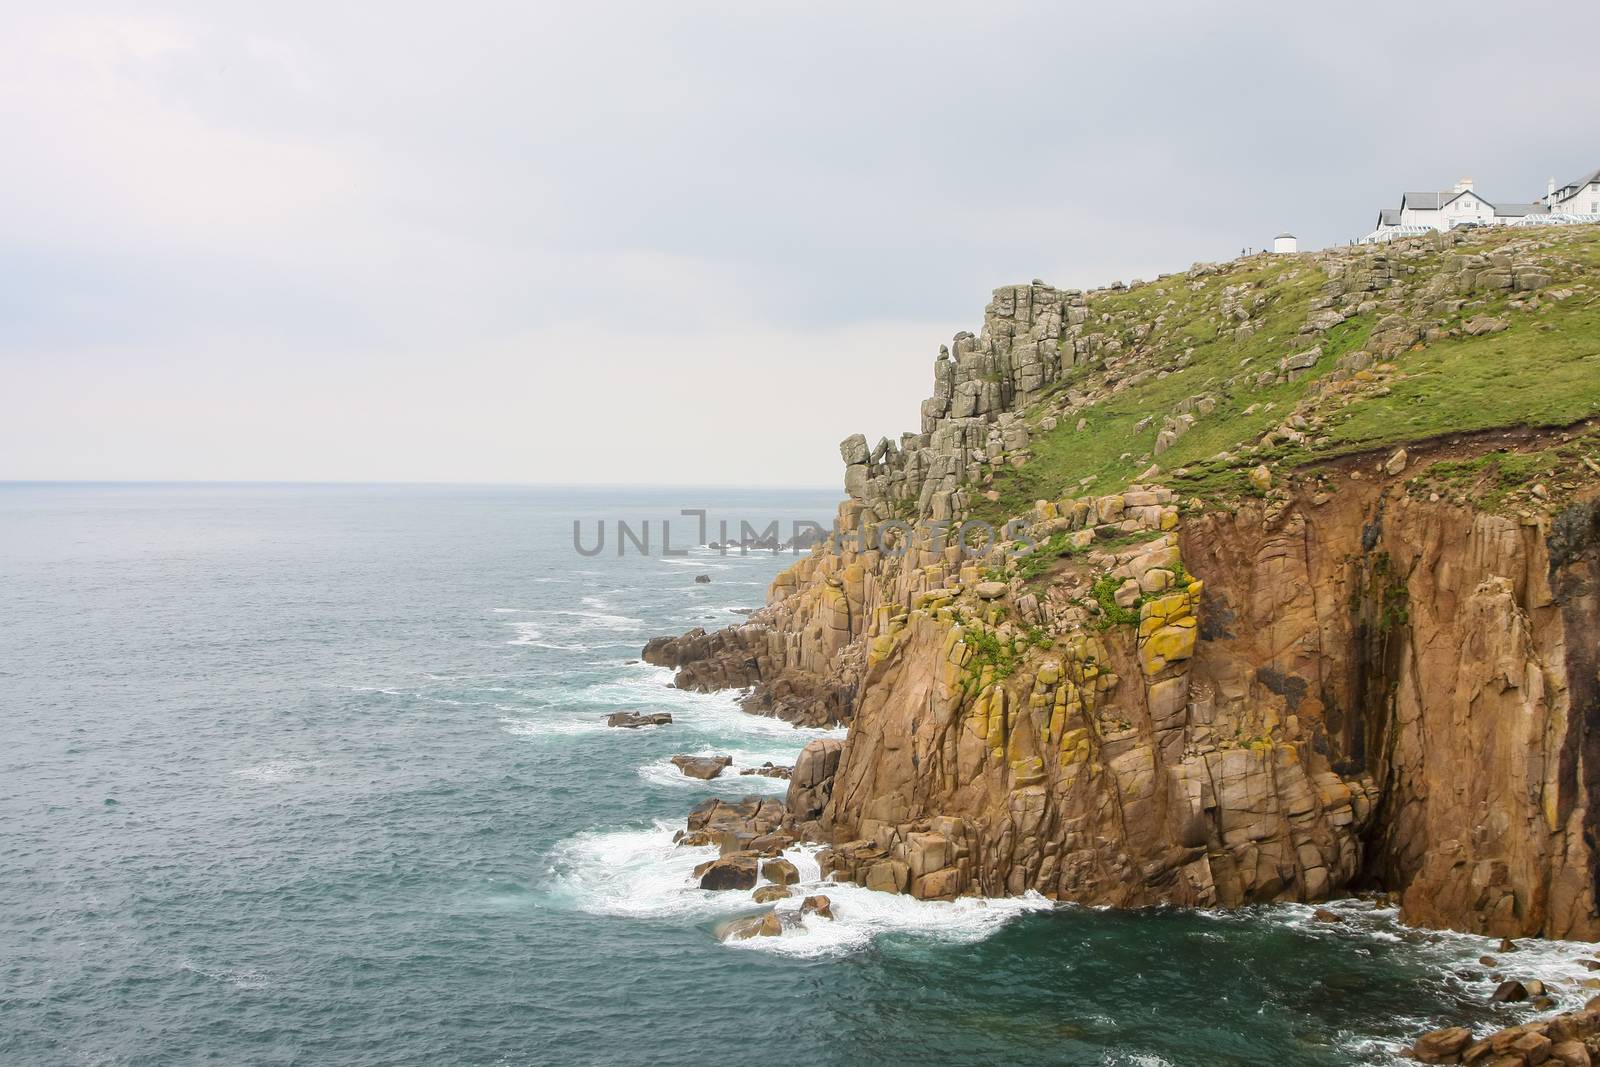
point(1578, 201)
point(1581, 196)
point(1462, 205)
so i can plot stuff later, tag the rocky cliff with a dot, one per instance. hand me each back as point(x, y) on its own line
point(1300, 592)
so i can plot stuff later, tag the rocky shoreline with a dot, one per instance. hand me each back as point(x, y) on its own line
point(1273, 677)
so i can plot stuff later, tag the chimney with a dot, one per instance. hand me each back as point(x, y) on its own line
point(1550, 189)
point(1463, 185)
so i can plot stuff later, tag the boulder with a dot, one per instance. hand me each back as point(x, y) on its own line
point(780, 872)
point(888, 876)
point(1570, 1054)
point(1396, 463)
point(1532, 1047)
point(766, 894)
point(1260, 478)
point(729, 872)
point(702, 579)
point(1509, 992)
point(632, 720)
point(1325, 915)
point(1442, 1046)
point(766, 924)
point(1483, 324)
point(820, 906)
point(1303, 360)
point(704, 768)
point(991, 590)
point(768, 770)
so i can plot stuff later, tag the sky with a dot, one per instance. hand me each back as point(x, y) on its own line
point(670, 243)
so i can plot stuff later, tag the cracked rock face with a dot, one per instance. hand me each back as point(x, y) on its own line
point(1323, 692)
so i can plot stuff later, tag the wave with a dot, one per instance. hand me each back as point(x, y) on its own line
point(643, 684)
point(642, 874)
point(1450, 955)
point(244, 980)
point(555, 727)
point(664, 772)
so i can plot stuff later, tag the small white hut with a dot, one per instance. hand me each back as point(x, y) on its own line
point(1285, 242)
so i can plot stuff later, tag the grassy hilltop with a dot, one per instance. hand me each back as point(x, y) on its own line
point(1418, 340)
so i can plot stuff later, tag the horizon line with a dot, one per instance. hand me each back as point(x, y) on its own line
point(282, 482)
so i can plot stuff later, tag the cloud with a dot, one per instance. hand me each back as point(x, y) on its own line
point(362, 226)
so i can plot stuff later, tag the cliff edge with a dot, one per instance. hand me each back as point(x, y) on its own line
point(1279, 578)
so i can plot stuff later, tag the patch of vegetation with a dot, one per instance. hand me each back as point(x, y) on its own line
point(988, 650)
point(1044, 556)
point(1543, 371)
point(1114, 614)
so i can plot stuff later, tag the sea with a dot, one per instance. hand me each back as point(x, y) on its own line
point(319, 774)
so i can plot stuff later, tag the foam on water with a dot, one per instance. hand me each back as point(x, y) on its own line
point(647, 687)
point(557, 727)
point(275, 770)
point(664, 772)
point(642, 874)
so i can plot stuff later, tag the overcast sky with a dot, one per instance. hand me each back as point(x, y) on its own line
point(663, 242)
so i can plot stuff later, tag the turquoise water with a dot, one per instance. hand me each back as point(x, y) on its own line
point(317, 775)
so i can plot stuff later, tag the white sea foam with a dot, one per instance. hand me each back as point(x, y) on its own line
point(553, 726)
point(527, 634)
point(646, 687)
point(642, 874)
point(664, 772)
point(249, 980)
point(1555, 963)
point(275, 770)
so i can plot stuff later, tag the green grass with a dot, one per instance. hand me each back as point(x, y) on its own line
point(1112, 613)
point(1542, 371)
point(1109, 449)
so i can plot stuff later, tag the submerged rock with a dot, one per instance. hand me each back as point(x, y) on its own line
point(820, 906)
point(768, 770)
point(766, 924)
point(632, 720)
point(1509, 992)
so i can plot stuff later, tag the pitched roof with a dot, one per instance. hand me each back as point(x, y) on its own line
point(1516, 211)
point(1579, 183)
point(1389, 216)
point(1435, 201)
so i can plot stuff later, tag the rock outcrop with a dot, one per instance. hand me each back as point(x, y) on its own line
point(1338, 671)
point(1571, 1039)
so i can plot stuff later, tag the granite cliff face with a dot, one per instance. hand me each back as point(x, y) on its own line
point(1306, 663)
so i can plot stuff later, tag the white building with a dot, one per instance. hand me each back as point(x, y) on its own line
point(1462, 205)
point(1285, 242)
point(1581, 196)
